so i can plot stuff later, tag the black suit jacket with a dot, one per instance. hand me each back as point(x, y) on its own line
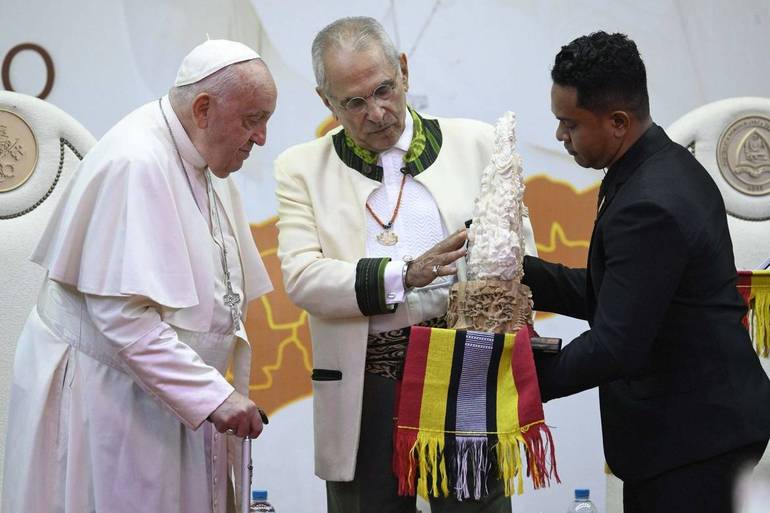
point(678, 378)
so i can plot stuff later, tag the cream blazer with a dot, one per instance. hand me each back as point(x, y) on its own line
point(322, 235)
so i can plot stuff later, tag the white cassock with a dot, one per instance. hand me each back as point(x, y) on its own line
point(123, 358)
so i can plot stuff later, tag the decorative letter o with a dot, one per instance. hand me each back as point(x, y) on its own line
point(48, 67)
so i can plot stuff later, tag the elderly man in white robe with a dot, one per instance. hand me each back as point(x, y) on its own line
point(119, 401)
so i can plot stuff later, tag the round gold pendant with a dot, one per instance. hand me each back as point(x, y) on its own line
point(387, 238)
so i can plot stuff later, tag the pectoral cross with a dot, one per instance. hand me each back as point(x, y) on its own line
point(232, 300)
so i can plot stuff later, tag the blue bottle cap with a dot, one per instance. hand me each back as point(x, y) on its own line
point(259, 495)
point(582, 493)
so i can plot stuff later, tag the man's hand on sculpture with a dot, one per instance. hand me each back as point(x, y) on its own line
point(437, 261)
point(238, 415)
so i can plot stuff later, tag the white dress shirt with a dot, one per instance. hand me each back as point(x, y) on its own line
point(418, 226)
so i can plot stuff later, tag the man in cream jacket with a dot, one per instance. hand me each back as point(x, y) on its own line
point(371, 227)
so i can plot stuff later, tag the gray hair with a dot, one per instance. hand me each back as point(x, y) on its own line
point(357, 33)
point(221, 84)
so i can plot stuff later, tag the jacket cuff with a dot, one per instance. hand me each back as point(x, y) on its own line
point(370, 286)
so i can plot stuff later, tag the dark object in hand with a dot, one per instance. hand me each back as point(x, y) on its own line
point(549, 345)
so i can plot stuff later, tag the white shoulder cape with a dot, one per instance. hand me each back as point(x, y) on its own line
point(128, 224)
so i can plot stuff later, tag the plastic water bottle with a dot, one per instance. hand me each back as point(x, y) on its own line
point(259, 502)
point(582, 502)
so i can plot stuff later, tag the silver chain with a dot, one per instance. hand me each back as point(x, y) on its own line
point(231, 298)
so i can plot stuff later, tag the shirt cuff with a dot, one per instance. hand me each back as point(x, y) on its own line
point(370, 286)
point(394, 282)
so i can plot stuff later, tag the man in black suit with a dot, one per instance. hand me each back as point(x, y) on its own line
point(684, 401)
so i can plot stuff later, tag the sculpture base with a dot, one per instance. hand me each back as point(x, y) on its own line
point(489, 305)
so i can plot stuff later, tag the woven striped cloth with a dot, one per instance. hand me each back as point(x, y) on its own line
point(469, 407)
point(754, 287)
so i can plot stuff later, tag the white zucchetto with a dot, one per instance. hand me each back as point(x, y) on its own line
point(211, 56)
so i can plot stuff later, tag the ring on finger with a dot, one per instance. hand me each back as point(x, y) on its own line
point(230, 431)
point(435, 270)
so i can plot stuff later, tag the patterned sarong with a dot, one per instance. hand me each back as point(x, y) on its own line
point(754, 287)
point(385, 351)
point(469, 406)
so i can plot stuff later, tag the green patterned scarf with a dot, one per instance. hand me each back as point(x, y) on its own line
point(416, 147)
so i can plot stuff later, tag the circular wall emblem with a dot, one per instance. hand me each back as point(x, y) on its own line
point(18, 151)
point(743, 155)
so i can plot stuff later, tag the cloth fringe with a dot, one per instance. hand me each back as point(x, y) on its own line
point(429, 451)
point(472, 464)
point(405, 460)
point(434, 463)
point(760, 321)
point(537, 444)
point(541, 455)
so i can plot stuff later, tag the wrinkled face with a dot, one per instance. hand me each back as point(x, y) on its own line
point(351, 74)
point(237, 121)
point(587, 136)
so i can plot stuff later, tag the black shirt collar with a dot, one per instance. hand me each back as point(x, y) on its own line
point(652, 141)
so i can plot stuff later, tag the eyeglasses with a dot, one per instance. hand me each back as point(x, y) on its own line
point(382, 93)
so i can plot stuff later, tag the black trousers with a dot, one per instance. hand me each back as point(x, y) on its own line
point(702, 487)
point(374, 488)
